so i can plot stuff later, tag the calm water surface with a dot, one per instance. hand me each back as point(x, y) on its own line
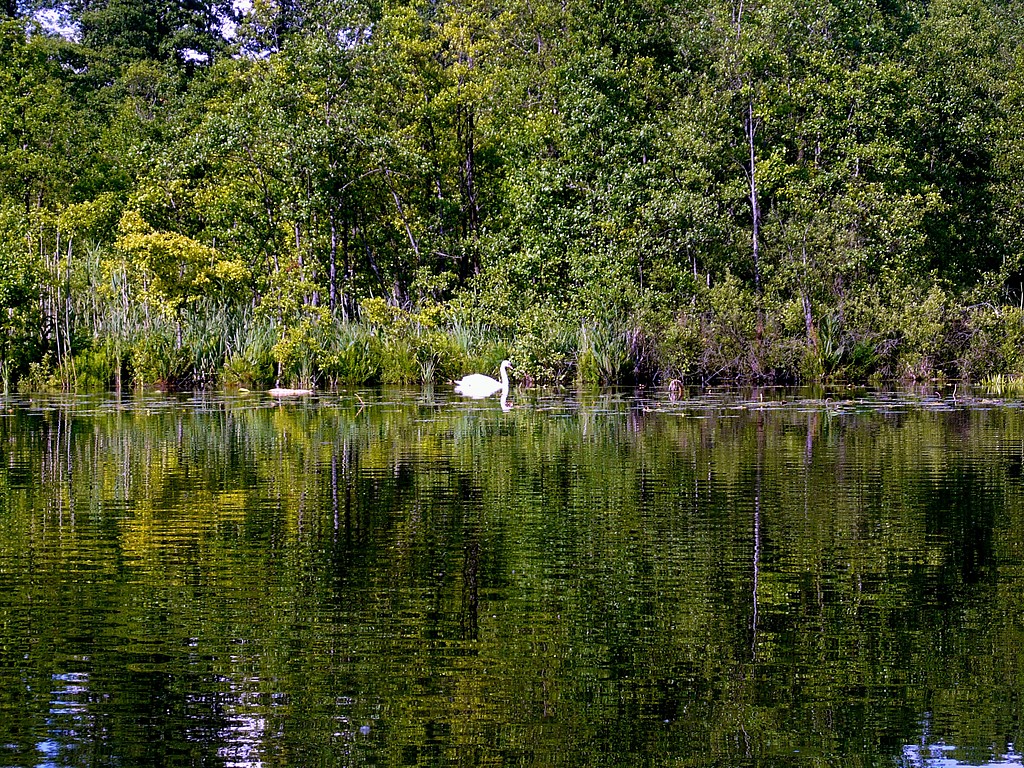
point(391, 578)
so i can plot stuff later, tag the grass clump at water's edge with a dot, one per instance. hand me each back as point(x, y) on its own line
point(1004, 385)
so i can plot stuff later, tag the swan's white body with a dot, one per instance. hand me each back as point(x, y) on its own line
point(286, 392)
point(476, 385)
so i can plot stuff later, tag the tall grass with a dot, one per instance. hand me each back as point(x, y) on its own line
point(1004, 385)
point(603, 352)
point(203, 340)
point(353, 358)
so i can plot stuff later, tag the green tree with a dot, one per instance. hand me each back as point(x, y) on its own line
point(19, 288)
point(959, 82)
point(120, 32)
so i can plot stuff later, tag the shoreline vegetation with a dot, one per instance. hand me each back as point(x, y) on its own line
point(333, 193)
point(408, 351)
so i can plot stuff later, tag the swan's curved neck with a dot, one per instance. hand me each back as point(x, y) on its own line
point(504, 378)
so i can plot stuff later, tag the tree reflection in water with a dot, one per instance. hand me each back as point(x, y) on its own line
point(579, 580)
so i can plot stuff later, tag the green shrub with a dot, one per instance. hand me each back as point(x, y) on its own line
point(42, 376)
point(728, 331)
point(96, 368)
point(1010, 338)
point(442, 357)
point(240, 371)
point(399, 363)
point(300, 349)
point(921, 327)
point(354, 357)
point(545, 347)
point(676, 343)
point(153, 359)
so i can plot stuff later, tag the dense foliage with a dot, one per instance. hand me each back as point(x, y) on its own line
point(328, 192)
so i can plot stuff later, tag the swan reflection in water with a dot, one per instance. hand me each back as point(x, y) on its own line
point(942, 755)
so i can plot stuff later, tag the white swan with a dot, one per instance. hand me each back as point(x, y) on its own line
point(476, 385)
point(288, 392)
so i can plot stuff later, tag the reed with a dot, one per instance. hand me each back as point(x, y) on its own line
point(603, 353)
point(1004, 385)
point(353, 357)
point(203, 334)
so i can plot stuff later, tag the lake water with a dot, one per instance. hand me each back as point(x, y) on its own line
point(404, 578)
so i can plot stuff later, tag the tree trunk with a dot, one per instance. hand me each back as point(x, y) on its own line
point(67, 311)
point(405, 221)
point(471, 204)
point(805, 298)
point(332, 268)
point(750, 127)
